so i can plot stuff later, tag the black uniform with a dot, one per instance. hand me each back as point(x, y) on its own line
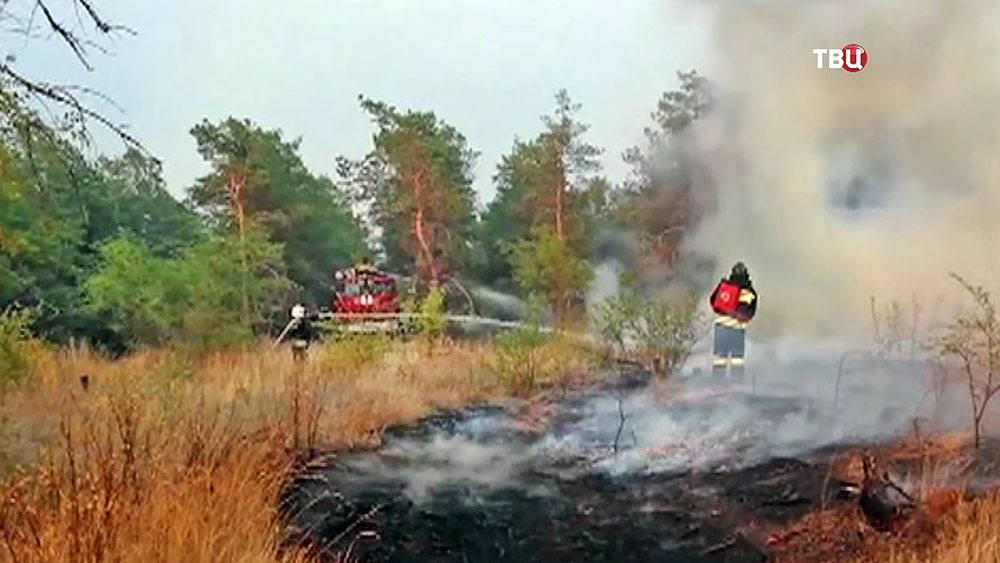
point(301, 335)
point(729, 345)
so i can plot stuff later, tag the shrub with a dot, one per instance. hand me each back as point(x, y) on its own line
point(212, 295)
point(133, 289)
point(616, 318)
point(16, 345)
point(432, 322)
point(656, 332)
point(973, 340)
point(547, 265)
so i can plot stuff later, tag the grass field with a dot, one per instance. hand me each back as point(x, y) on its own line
point(169, 456)
point(173, 456)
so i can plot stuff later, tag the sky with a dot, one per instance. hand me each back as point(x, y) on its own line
point(488, 67)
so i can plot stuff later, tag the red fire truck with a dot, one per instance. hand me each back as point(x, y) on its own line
point(365, 292)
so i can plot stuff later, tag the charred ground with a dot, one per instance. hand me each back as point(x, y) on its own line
point(609, 474)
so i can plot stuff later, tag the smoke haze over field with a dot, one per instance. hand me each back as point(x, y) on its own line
point(836, 186)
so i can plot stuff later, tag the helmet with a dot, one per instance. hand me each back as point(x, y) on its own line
point(739, 269)
point(298, 312)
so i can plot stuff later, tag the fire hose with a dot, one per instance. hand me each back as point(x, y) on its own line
point(287, 328)
point(458, 319)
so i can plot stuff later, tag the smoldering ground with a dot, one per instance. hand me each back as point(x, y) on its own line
point(833, 186)
point(603, 474)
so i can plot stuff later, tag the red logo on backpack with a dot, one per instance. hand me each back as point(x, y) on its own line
point(726, 298)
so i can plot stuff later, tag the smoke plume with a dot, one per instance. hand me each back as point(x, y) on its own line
point(835, 187)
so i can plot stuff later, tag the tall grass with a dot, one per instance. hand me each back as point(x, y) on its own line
point(176, 456)
point(971, 534)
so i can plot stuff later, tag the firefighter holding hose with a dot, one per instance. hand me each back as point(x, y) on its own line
point(734, 301)
point(301, 333)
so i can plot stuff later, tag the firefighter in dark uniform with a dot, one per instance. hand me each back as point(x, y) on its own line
point(301, 334)
point(734, 301)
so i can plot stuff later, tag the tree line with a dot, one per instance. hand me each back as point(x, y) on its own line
point(98, 249)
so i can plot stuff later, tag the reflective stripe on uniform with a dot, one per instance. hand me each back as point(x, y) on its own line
point(746, 296)
point(730, 322)
point(736, 361)
point(717, 361)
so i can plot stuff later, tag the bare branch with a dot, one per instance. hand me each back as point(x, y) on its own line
point(100, 22)
point(75, 36)
point(67, 36)
point(96, 93)
point(63, 96)
point(31, 23)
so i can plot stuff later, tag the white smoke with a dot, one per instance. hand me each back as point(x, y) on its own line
point(604, 283)
point(836, 186)
point(443, 460)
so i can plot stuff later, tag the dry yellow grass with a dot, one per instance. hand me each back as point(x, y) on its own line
point(166, 456)
point(971, 534)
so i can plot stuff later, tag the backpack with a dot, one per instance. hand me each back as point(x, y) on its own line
point(726, 298)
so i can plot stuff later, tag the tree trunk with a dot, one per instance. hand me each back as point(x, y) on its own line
point(977, 418)
point(418, 180)
point(237, 201)
point(425, 249)
point(560, 187)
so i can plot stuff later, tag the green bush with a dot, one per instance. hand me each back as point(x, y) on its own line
point(656, 332)
point(670, 331)
point(213, 294)
point(136, 290)
point(617, 318)
point(546, 265)
point(16, 344)
point(432, 323)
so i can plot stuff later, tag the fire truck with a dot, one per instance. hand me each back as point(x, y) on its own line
point(363, 294)
point(366, 299)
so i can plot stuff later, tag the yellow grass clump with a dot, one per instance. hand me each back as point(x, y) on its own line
point(971, 534)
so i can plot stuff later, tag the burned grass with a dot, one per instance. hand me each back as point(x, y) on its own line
point(531, 481)
point(482, 485)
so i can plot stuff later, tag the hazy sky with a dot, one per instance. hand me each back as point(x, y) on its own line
point(490, 68)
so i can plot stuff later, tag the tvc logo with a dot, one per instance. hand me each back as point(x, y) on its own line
point(851, 58)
